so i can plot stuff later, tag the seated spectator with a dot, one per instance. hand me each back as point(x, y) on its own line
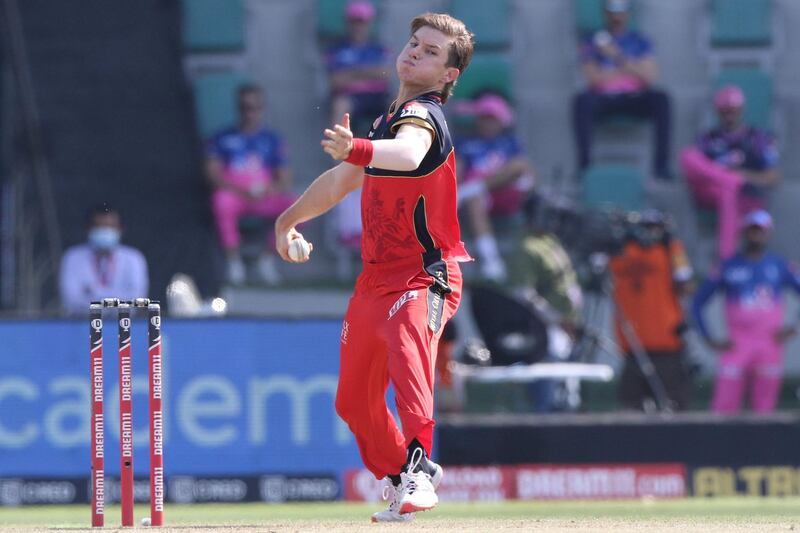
point(650, 274)
point(247, 167)
point(101, 267)
point(620, 71)
point(495, 177)
point(753, 282)
point(731, 167)
point(357, 71)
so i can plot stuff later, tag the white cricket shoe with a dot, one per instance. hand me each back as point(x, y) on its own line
point(438, 474)
point(392, 513)
point(417, 492)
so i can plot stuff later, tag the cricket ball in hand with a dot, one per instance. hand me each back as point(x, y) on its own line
point(299, 250)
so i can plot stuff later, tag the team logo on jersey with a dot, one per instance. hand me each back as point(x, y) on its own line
point(414, 110)
point(345, 331)
point(406, 297)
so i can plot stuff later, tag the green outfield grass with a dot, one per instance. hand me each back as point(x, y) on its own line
point(707, 515)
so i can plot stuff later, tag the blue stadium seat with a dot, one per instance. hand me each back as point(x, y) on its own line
point(215, 100)
point(491, 25)
point(737, 23)
point(616, 186)
point(213, 25)
point(758, 89)
point(486, 72)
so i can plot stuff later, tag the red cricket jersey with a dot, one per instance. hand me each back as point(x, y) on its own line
point(414, 213)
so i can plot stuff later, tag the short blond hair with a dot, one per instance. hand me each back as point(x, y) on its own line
point(460, 52)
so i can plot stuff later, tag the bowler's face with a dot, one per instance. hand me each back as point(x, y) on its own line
point(423, 61)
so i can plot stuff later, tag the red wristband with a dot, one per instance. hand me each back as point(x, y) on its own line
point(361, 153)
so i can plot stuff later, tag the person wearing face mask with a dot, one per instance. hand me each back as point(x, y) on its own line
point(731, 167)
point(649, 275)
point(101, 267)
point(753, 282)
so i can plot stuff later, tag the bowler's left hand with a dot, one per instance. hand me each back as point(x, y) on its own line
point(339, 142)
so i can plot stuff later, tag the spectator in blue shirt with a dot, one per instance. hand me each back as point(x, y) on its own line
point(620, 71)
point(246, 165)
point(357, 71)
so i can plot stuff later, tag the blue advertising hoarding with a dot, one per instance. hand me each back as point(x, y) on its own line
point(241, 397)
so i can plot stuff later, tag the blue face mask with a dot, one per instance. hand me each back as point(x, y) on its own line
point(104, 237)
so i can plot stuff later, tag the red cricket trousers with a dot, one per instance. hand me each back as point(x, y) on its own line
point(388, 336)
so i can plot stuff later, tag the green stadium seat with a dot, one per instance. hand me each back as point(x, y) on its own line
point(616, 186)
point(589, 16)
point(741, 23)
point(486, 72)
point(331, 24)
point(331, 21)
point(213, 25)
point(491, 25)
point(758, 89)
point(215, 100)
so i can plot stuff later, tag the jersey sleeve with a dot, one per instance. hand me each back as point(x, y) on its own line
point(332, 62)
point(644, 47)
point(701, 298)
point(214, 146)
point(791, 276)
point(278, 157)
point(416, 113)
point(587, 51)
point(681, 268)
point(768, 151)
point(513, 149)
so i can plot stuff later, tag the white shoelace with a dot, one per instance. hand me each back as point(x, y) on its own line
point(416, 457)
point(390, 494)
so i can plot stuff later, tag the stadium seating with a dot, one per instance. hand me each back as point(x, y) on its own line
point(741, 23)
point(486, 72)
point(213, 25)
point(491, 27)
point(214, 100)
point(330, 19)
point(614, 186)
point(758, 89)
point(741, 32)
